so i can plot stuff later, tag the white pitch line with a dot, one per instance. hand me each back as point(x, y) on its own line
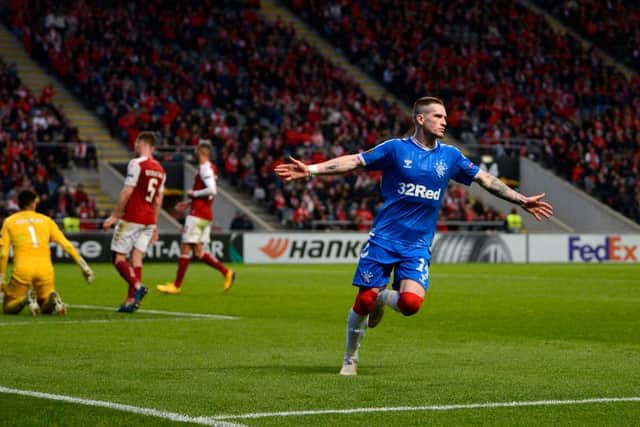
point(161, 312)
point(429, 408)
point(172, 416)
point(220, 420)
point(115, 320)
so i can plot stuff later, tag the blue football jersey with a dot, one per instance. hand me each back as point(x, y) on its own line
point(414, 181)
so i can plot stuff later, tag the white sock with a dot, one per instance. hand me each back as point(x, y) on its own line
point(390, 298)
point(356, 327)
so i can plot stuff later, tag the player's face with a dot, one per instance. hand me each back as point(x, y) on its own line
point(204, 153)
point(433, 120)
point(140, 143)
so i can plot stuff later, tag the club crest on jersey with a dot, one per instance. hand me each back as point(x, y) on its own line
point(407, 163)
point(441, 168)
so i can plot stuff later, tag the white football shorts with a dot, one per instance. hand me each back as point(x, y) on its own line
point(129, 235)
point(196, 230)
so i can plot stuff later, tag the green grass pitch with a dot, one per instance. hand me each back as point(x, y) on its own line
point(486, 333)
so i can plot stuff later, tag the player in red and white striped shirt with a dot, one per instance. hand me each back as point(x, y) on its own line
point(197, 225)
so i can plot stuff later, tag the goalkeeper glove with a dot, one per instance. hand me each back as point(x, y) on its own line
point(86, 270)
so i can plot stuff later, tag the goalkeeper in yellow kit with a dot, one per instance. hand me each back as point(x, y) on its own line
point(30, 233)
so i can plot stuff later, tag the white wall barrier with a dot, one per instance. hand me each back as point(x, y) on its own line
point(319, 248)
point(331, 248)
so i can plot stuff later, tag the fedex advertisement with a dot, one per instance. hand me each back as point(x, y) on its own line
point(611, 248)
point(584, 248)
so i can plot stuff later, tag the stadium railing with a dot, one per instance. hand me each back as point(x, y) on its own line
point(171, 152)
point(508, 147)
point(64, 152)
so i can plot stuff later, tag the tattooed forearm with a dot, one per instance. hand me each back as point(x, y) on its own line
point(331, 166)
point(339, 165)
point(498, 188)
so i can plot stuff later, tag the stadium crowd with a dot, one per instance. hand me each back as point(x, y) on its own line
point(612, 25)
point(188, 72)
point(505, 74)
point(27, 120)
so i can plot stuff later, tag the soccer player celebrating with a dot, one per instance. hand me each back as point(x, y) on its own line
point(136, 214)
point(416, 171)
point(30, 233)
point(197, 225)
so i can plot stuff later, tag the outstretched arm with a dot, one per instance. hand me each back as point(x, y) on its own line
point(534, 204)
point(297, 170)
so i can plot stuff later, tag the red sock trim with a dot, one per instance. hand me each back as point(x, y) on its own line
point(365, 301)
point(409, 303)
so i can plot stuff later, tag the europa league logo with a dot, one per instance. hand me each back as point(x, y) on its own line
point(470, 248)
